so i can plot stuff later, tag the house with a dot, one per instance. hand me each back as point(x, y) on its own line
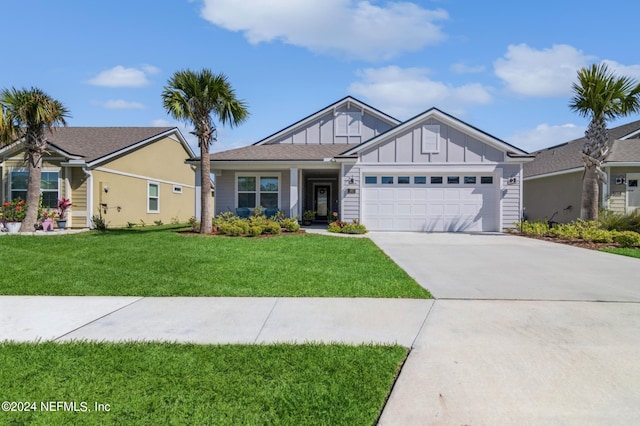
point(432, 172)
point(553, 180)
point(125, 174)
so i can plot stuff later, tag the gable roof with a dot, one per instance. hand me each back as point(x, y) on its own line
point(568, 156)
point(98, 143)
point(347, 100)
point(447, 119)
point(280, 152)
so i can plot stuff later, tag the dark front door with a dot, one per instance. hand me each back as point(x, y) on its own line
point(321, 201)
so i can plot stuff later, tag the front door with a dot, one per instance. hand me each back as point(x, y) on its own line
point(321, 201)
point(633, 192)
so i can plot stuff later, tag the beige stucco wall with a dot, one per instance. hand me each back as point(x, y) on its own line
point(128, 177)
point(544, 196)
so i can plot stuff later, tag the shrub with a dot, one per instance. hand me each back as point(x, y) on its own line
point(99, 223)
point(564, 230)
point(347, 228)
point(627, 239)
point(538, 228)
point(193, 222)
point(271, 227)
point(158, 222)
point(255, 230)
point(620, 222)
point(290, 224)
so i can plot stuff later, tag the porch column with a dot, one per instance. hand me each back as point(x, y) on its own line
point(293, 191)
point(197, 192)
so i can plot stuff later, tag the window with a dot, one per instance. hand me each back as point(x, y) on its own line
point(177, 189)
point(632, 183)
point(258, 190)
point(420, 180)
point(437, 180)
point(484, 180)
point(453, 180)
point(469, 180)
point(430, 139)
point(371, 180)
point(48, 187)
point(388, 180)
point(153, 197)
point(348, 123)
point(403, 180)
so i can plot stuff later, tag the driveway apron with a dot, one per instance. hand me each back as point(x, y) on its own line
point(519, 333)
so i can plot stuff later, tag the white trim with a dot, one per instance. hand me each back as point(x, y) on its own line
point(90, 195)
point(630, 135)
point(626, 195)
point(294, 185)
point(562, 172)
point(428, 168)
point(251, 165)
point(623, 164)
point(117, 172)
point(144, 142)
point(157, 184)
point(57, 170)
point(257, 175)
point(521, 189)
point(434, 131)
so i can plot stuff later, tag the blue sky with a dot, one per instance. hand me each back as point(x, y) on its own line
point(505, 67)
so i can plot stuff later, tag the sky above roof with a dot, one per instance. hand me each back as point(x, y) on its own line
point(504, 67)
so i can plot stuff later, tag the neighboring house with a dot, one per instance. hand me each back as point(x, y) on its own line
point(432, 172)
point(125, 174)
point(553, 180)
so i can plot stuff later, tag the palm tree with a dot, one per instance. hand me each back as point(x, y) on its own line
point(193, 96)
point(26, 115)
point(600, 95)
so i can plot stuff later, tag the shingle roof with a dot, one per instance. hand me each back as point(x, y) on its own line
point(568, 155)
point(92, 143)
point(281, 152)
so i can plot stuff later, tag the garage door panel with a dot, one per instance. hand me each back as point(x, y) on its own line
point(445, 208)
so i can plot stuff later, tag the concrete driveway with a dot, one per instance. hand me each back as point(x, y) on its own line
point(502, 266)
point(518, 334)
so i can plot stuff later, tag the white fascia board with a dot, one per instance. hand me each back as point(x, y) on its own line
point(422, 168)
point(630, 135)
point(559, 173)
point(623, 164)
point(140, 144)
point(272, 165)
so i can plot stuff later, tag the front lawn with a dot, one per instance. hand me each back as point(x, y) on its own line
point(160, 383)
point(154, 261)
point(631, 252)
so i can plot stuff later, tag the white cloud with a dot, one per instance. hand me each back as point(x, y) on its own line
point(541, 73)
point(120, 76)
point(122, 104)
point(632, 71)
point(462, 68)
point(404, 92)
point(545, 135)
point(356, 29)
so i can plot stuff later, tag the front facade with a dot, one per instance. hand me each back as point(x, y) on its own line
point(553, 180)
point(431, 173)
point(127, 175)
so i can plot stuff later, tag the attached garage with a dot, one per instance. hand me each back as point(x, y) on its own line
point(455, 202)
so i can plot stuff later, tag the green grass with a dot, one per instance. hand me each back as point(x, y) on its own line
point(631, 252)
point(158, 261)
point(156, 383)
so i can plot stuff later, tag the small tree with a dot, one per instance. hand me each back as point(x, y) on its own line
point(26, 115)
point(600, 95)
point(193, 96)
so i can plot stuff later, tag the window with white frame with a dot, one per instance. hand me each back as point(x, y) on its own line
point(348, 123)
point(49, 186)
point(153, 197)
point(430, 139)
point(258, 190)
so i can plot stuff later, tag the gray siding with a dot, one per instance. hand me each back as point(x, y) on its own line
point(322, 130)
point(225, 198)
point(510, 195)
point(455, 147)
point(351, 202)
point(545, 196)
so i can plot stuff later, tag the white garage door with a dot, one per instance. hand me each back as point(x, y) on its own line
point(443, 203)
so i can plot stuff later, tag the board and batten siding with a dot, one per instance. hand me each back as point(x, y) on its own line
point(510, 203)
point(225, 193)
point(455, 147)
point(351, 202)
point(322, 130)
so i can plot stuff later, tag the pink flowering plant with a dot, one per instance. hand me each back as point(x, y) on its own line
point(14, 211)
point(48, 214)
point(63, 206)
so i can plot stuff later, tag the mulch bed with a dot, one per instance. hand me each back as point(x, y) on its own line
point(216, 233)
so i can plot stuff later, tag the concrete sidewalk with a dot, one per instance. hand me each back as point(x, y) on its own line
point(212, 319)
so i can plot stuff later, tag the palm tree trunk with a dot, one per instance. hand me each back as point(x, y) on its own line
point(590, 194)
point(33, 190)
point(205, 194)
